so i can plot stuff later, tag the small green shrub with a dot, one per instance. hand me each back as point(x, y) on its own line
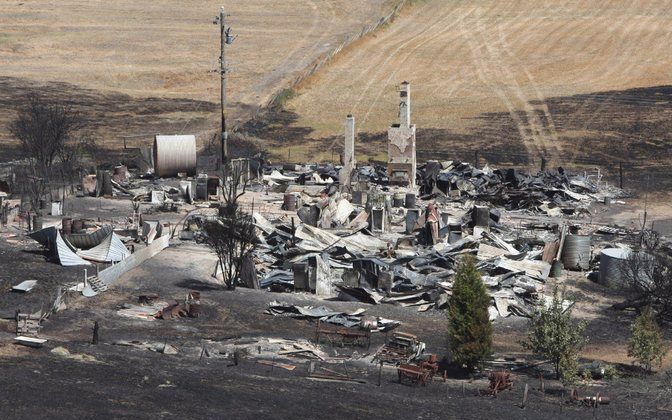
point(646, 341)
point(553, 334)
point(610, 372)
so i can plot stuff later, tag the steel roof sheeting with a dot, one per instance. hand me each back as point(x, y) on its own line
point(111, 249)
point(66, 255)
point(46, 237)
point(174, 154)
point(89, 240)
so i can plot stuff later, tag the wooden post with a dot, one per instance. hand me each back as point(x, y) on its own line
point(223, 71)
point(380, 372)
point(294, 242)
point(620, 174)
point(525, 396)
point(541, 383)
point(96, 327)
point(476, 160)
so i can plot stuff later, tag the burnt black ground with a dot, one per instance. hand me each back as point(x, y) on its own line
point(134, 383)
point(152, 385)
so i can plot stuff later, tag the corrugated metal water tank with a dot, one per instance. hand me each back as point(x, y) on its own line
point(611, 266)
point(576, 252)
point(174, 154)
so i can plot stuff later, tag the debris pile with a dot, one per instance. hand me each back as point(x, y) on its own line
point(385, 244)
point(324, 314)
point(512, 189)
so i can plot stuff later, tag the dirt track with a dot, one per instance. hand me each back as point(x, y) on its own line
point(471, 60)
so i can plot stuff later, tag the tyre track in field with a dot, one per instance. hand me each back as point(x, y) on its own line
point(531, 124)
point(414, 44)
point(413, 41)
point(487, 75)
point(394, 73)
point(360, 53)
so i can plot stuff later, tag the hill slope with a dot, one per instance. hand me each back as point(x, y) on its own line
point(523, 78)
point(167, 49)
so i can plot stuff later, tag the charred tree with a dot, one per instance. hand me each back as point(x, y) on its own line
point(231, 236)
point(647, 277)
point(48, 133)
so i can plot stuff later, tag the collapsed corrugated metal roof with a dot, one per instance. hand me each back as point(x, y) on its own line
point(110, 250)
point(89, 240)
point(65, 253)
point(46, 237)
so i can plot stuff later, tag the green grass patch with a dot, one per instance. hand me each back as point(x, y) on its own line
point(5, 38)
point(283, 97)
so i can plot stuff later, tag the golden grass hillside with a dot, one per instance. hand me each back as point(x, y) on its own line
point(565, 79)
point(168, 48)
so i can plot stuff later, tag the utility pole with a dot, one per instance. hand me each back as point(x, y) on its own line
point(225, 39)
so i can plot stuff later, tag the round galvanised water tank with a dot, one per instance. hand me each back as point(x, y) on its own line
point(576, 252)
point(398, 200)
point(611, 266)
point(409, 201)
point(289, 202)
point(174, 154)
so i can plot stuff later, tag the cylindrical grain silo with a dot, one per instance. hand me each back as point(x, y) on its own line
point(174, 154)
point(576, 252)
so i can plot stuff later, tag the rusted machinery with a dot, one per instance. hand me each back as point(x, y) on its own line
point(342, 336)
point(500, 381)
point(420, 373)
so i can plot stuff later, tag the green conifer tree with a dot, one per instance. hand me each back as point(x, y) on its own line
point(469, 326)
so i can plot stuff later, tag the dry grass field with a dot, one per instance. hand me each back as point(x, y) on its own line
point(117, 54)
point(573, 80)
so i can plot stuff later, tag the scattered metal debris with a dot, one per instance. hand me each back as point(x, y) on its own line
point(24, 286)
point(400, 348)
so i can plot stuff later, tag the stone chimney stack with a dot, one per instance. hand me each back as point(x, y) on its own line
point(405, 105)
point(401, 163)
point(348, 154)
point(349, 146)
